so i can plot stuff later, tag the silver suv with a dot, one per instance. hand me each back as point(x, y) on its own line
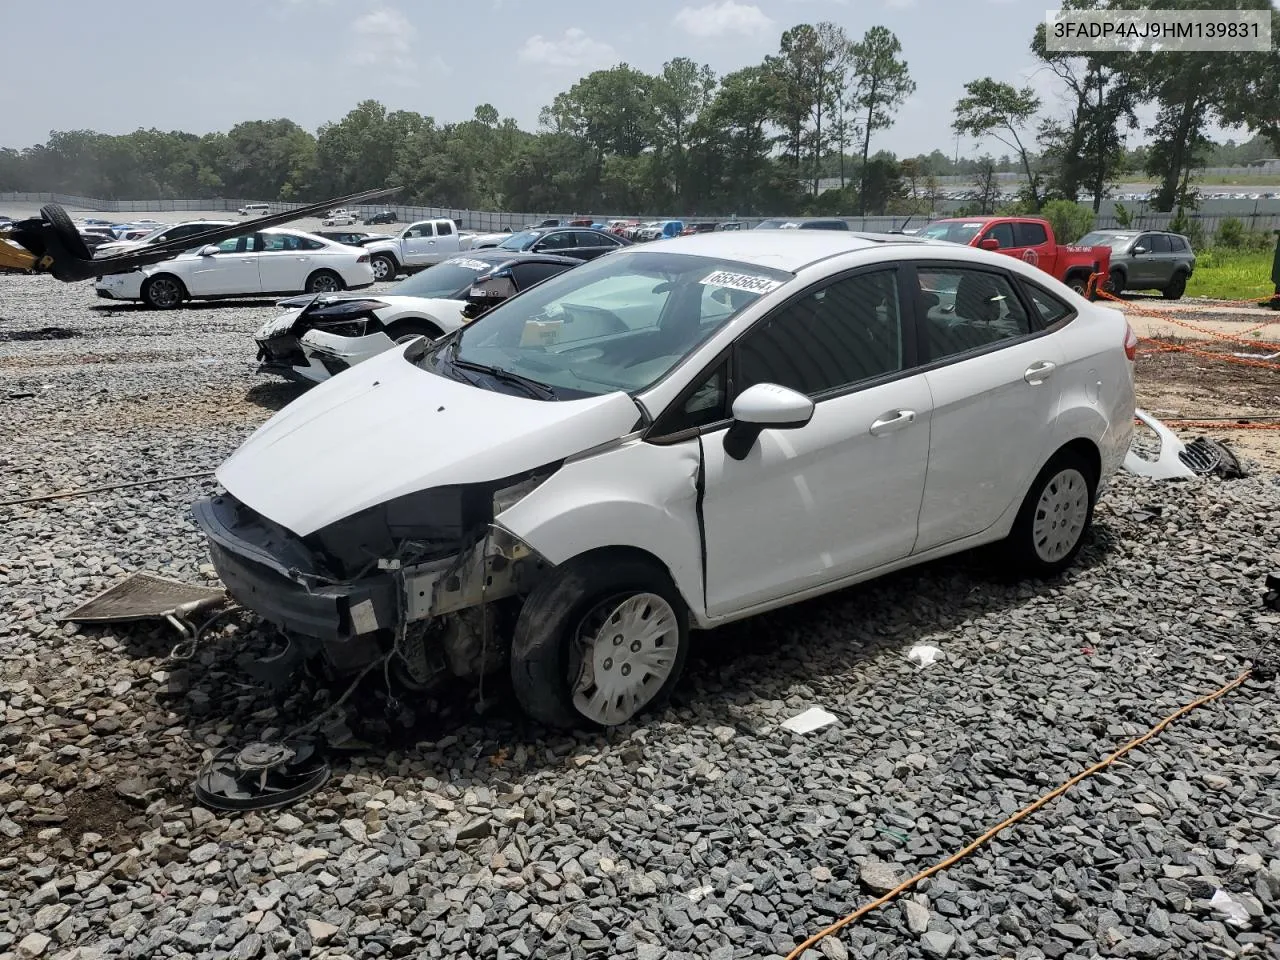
point(1145, 260)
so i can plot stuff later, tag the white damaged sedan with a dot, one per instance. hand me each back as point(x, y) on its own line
point(669, 438)
point(272, 261)
point(318, 337)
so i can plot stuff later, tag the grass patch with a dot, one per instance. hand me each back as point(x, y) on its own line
point(1232, 275)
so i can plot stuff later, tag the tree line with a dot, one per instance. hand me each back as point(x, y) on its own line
point(758, 140)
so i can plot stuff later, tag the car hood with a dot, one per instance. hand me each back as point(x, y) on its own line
point(387, 428)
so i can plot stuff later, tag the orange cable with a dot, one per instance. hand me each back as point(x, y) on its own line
point(1021, 814)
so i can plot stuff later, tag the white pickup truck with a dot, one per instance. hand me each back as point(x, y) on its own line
point(416, 247)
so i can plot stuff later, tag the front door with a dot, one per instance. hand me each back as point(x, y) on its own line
point(840, 495)
point(1142, 266)
point(994, 377)
point(420, 244)
point(232, 270)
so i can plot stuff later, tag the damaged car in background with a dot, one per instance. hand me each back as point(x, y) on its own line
point(320, 336)
point(670, 438)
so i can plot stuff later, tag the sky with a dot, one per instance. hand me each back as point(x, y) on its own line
point(205, 66)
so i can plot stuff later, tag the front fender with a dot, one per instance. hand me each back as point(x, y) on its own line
point(632, 494)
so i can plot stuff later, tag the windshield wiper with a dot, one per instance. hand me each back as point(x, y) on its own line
point(534, 388)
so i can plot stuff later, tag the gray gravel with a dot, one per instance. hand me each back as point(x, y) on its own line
point(706, 831)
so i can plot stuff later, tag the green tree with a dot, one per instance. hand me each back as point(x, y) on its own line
point(992, 108)
point(883, 83)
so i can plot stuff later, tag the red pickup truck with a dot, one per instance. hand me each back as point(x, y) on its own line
point(1030, 239)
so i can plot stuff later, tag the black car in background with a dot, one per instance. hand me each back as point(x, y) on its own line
point(581, 243)
point(382, 216)
point(351, 238)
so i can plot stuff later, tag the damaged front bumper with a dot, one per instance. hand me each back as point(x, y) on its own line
point(351, 621)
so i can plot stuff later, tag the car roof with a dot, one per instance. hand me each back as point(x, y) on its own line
point(788, 250)
point(497, 255)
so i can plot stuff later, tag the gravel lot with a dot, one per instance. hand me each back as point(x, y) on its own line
point(706, 831)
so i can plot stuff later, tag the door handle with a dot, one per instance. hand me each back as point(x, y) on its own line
point(248, 260)
point(431, 243)
point(1039, 372)
point(894, 420)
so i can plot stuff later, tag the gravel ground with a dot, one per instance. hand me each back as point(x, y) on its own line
point(706, 831)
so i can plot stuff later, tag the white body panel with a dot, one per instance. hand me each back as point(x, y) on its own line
point(420, 244)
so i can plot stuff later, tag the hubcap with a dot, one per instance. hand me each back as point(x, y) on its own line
point(627, 651)
point(381, 268)
point(164, 292)
point(1060, 515)
point(324, 284)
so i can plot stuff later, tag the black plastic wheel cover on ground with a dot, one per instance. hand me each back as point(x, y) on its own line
point(246, 778)
point(66, 231)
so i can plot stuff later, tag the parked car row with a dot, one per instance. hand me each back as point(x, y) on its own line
point(666, 438)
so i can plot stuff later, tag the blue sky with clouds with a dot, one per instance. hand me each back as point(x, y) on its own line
point(203, 65)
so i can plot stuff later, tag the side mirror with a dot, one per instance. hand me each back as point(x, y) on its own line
point(1139, 249)
point(990, 244)
point(766, 406)
point(209, 251)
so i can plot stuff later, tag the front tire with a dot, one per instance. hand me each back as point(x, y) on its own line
point(1055, 516)
point(599, 641)
point(1176, 288)
point(163, 292)
point(1115, 283)
point(384, 267)
point(324, 281)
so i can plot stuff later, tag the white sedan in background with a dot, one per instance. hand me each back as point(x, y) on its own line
point(273, 261)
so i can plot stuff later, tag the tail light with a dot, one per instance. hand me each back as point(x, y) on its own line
point(363, 258)
point(1130, 342)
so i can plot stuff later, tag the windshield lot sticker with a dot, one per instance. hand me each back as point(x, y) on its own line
point(476, 265)
point(741, 281)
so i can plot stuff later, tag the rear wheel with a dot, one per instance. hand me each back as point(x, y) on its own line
point(1177, 287)
point(599, 641)
point(324, 281)
point(384, 267)
point(1053, 520)
point(163, 292)
point(1079, 283)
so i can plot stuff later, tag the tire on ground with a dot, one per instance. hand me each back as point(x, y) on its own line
point(553, 613)
point(154, 291)
point(1177, 286)
point(313, 282)
point(389, 262)
point(1067, 469)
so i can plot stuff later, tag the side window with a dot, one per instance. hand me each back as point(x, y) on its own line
point(237, 245)
point(1160, 243)
point(557, 241)
point(707, 404)
point(1144, 242)
point(841, 334)
point(1001, 233)
point(278, 242)
point(306, 243)
point(967, 310)
point(584, 238)
point(419, 230)
point(1049, 307)
point(444, 229)
point(1029, 235)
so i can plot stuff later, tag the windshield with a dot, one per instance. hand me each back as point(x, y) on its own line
point(953, 231)
point(1116, 241)
point(772, 224)
point(616, 323)
point(518, 241)
point(447, 280)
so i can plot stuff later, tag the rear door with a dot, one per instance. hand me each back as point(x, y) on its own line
point(285, 261)
point(992, 369)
